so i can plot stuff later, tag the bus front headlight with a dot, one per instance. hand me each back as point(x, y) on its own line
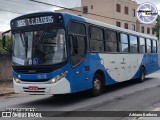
point(17, 80)
point(58, 77)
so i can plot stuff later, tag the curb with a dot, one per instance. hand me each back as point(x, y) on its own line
point(3, 94)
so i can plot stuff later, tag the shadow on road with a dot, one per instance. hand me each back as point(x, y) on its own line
point(124, 84)
point(68, 99)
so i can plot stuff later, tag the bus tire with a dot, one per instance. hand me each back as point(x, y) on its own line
point(97, 86)
point(142, 75)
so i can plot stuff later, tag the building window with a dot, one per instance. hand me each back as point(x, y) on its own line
point(142, 29)
point(126, 25)
point(133, 13)
point(85, 9)
point(148, 30)
point(118, 7)
point(133, 27)
point(91, 6)
point(118, 24)
point(126, 10)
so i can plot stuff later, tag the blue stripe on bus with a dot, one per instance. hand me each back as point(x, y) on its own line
point(95, 63)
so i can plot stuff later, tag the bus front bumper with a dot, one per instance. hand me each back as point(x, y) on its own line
point(60, 87)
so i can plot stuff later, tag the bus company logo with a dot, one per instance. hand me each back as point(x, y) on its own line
point(41, 76)
point(147, 13)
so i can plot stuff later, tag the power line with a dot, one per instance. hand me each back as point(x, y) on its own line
point(10, 4)
point(24, 3)
point(11, 11)
point(54, 5)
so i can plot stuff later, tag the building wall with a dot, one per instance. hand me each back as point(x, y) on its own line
point(125, 18)
point(5, 67)
point(105, 11)
point(99, 7)
point(72, 11)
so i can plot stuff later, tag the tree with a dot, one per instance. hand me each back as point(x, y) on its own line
point(157, 27)
point(8, 45)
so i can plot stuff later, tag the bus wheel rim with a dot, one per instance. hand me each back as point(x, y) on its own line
point(142, 77)
point(97, 84)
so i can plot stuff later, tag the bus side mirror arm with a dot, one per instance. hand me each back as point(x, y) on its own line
point(4, 41)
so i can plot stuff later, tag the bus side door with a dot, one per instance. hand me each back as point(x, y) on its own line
point(79, 62)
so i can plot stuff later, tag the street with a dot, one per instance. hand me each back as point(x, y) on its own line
point(127, 96)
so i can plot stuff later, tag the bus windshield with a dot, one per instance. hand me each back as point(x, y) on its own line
point(44, 47)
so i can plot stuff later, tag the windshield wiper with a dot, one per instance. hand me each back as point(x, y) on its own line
point(26, 44)
point(24, 40)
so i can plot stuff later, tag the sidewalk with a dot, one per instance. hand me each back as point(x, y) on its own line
point(6, 87)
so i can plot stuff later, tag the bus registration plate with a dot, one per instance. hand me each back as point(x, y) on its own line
point(33, 88)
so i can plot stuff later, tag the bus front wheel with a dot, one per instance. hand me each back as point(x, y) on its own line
point(142, 75)
point(97, 87)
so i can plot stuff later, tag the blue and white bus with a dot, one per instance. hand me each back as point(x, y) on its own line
point(59, 53)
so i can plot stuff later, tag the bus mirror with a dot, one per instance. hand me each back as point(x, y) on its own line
point(4, 38)
point(3, 41)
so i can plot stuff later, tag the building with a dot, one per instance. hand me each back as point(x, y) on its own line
point(121, 13)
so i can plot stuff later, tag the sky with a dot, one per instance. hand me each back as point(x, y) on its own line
point(20, 7)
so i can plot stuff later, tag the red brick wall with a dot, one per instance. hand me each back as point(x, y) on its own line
point(5, 67)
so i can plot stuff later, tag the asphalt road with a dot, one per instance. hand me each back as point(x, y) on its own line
point(127, 96)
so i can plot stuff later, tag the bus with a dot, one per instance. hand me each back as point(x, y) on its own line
point(59, 53)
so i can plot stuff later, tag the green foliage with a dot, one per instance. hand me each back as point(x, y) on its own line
point(8, 45)
point(156, 28)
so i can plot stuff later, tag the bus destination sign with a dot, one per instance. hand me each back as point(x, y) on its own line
point(34, 21)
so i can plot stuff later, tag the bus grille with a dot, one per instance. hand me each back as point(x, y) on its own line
point(38, 69)
point(33, 71)
point(35, 81)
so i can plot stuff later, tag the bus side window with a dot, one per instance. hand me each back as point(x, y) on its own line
point(77, 36)
point(141, 45)
point(133, 44)
point(154, 46)
point(148, 45)
point(97, 39)
point(111, 41)
point(124, 43)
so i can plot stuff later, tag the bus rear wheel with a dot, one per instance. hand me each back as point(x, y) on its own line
point(142, 75)
point(97, 86)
